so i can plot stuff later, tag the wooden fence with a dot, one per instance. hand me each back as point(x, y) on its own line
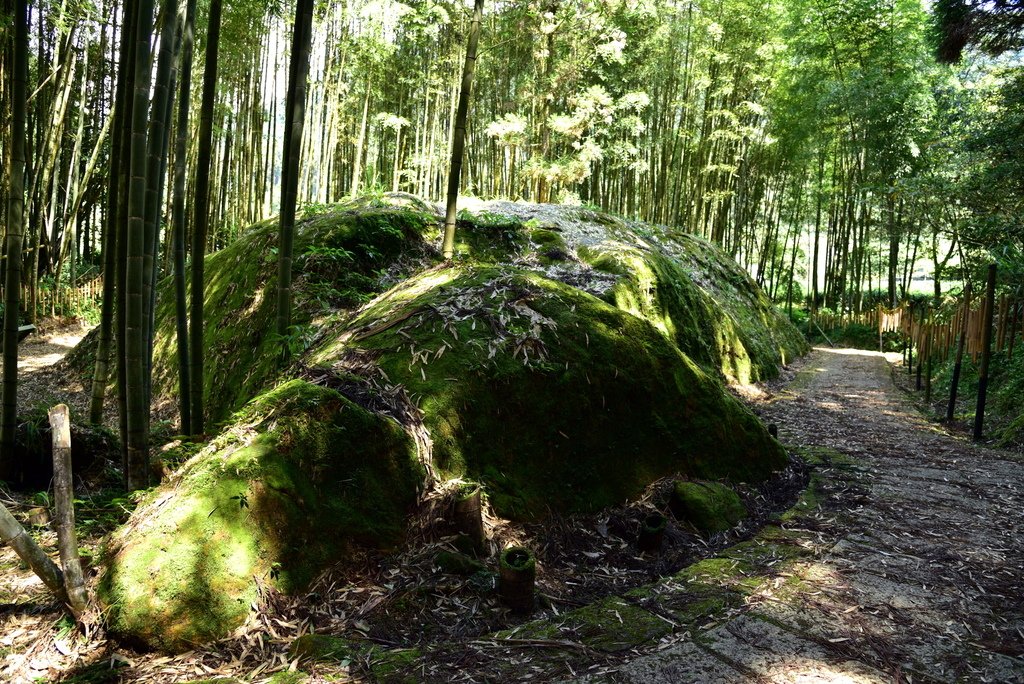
point(973, 327)
point(65, 301)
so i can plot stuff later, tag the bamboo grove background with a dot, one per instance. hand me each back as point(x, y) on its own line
point(814, 141)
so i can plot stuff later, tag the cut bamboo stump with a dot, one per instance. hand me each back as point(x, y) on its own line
point(516, 579)
point(64, 495)
point(652, 533)
point(468, 515)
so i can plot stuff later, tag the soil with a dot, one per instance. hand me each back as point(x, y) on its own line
point(913, 574)
point(39, 382)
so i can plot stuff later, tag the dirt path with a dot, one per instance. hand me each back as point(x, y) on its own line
point(917, 559)
point(38, 380)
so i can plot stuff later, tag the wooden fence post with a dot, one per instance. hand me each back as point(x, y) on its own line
point(929, 346)
point(986, 351)
point(910, 338)
point(64, 495)
point(920, 346)
point(1013, 325)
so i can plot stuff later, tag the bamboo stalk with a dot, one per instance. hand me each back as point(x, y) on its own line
point(63, 494)
point(12, 532)
point(986, 352)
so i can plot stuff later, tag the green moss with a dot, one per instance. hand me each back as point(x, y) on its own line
point(809, 501)
point(491, 356)
point(709, 506)
point(240, 299)
point(689, 606)
point(396, 666)
point(323, 647)
point(458, 563)
point(609, 625)
point(700, 299)
point(489, 237)
point(308, 474)
point(288, 678)
point(717, 573)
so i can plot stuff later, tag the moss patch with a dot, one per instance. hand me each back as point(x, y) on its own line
point(302, 474)
point(709, 506)
point(609, 625)
point(328, 648)
point(342, 258)
point(699, 298)
point(549, 396)
point(458, 563)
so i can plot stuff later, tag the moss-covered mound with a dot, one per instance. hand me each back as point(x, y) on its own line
point(343, 257)
point(551, 397)
point(300, 475)
point(709, 506)
point(565, 361)
point(688, 289)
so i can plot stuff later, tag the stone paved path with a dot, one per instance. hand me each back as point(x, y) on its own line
point(910, 562)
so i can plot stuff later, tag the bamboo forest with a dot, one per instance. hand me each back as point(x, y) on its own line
point(485, 341)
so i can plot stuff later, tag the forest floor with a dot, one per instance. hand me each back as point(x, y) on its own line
point(902, 562)
point(38, 381)
point(917, 552)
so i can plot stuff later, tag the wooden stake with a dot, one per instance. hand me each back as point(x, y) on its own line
point(1001, 330)
point(954, 381)
point(25, 546)
point(986, 351)
point(64, 494)
point(920, 348)
point(1013, 327)
point(929, 343)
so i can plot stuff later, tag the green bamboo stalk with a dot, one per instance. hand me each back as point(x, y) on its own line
point(15, 233)
point(137, 470)
point(201, 217)
point(459, 141)
point(178, 219)
point(295, 119)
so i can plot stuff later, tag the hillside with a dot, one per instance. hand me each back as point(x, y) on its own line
point(565, 360)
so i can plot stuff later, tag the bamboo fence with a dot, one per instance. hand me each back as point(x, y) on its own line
point(64, 301)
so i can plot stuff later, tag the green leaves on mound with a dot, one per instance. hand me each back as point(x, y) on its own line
point(300, 475)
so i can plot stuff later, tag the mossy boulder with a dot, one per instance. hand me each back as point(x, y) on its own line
point(343, 257)
point(553, 383)
point(709, 506)
point(549, 396)
point(301, 475)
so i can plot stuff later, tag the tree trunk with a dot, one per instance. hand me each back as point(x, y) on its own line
point(201, 217)
point(156, 167)
point(294, 121)
point(15, 231)
point(178, 219)
point(110, 234)
point(459, 141)
point(137, 465)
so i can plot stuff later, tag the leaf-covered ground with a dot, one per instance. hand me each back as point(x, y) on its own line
point(916, 559)
point(902, 562)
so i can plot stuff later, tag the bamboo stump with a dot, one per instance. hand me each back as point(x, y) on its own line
point(67, 540)
point(516, 579)
point(652, 533)
point(468, 515)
